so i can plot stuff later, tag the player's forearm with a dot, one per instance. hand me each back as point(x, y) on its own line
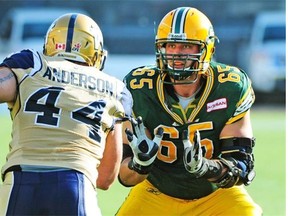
point(8, 89)
point(110, 163)
point(107, 173)
point(105, 180)
point(128, 177)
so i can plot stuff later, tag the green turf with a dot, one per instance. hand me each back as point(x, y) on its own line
point(268, 188)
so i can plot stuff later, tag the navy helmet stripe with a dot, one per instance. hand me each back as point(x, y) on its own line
point(178, 23)
point(70, 32)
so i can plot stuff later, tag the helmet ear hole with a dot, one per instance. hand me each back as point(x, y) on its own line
point(212, 50)
point(103, 60)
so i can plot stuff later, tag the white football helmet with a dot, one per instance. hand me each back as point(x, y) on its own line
point(76, 37)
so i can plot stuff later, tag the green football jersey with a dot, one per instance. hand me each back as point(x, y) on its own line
point(225, 97)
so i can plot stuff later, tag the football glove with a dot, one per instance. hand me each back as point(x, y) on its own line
point(194, 161)
point(144, 149)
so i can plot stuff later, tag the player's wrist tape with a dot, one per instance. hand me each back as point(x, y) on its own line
point(143, 170)
point(231, 177)
point(213, 170)
point(210, 169)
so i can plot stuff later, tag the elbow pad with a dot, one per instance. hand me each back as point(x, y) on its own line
point(237, 156)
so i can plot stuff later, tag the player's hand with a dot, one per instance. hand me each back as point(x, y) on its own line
point(193, 159)
point(144, 149)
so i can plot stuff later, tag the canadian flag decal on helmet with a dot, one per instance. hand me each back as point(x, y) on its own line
point(60, 46)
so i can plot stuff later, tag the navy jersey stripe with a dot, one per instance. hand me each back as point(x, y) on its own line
point(23, 59)
point(70, 32)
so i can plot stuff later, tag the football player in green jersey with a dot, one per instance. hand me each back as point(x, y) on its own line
point(67, 122)
point(196, 155)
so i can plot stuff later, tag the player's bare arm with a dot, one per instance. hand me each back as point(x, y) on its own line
point(241, 128)
point(8, 85)
point(110, 163)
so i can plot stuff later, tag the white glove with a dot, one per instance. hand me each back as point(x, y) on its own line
point(193, 159)
point(144, 149)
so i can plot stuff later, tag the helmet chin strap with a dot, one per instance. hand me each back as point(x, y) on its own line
point(186, 81)
point(184, 69)
point(181, 82)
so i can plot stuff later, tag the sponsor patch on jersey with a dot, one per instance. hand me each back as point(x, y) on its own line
point(217, 105)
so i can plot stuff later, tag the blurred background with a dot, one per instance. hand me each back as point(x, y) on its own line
point(251, 33)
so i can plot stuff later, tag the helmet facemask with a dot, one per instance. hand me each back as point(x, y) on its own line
point(192, 63)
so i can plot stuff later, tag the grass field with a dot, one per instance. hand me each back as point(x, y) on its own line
point(268, 188)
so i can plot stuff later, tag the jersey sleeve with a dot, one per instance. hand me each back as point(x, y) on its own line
point(126, 101)
point(246, 96)
point(22, 63)
point(22, 59)
point(142, 82)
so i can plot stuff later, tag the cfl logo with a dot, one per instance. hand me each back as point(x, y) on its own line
point(76, 47)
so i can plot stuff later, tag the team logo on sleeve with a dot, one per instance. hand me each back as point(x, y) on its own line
point(217, 105)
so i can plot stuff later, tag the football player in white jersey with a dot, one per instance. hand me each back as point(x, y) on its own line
point(67, 122)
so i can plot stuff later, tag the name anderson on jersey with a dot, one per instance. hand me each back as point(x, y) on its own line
point(80, 80)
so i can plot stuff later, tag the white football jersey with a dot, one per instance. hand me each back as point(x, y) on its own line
point(63, 113)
